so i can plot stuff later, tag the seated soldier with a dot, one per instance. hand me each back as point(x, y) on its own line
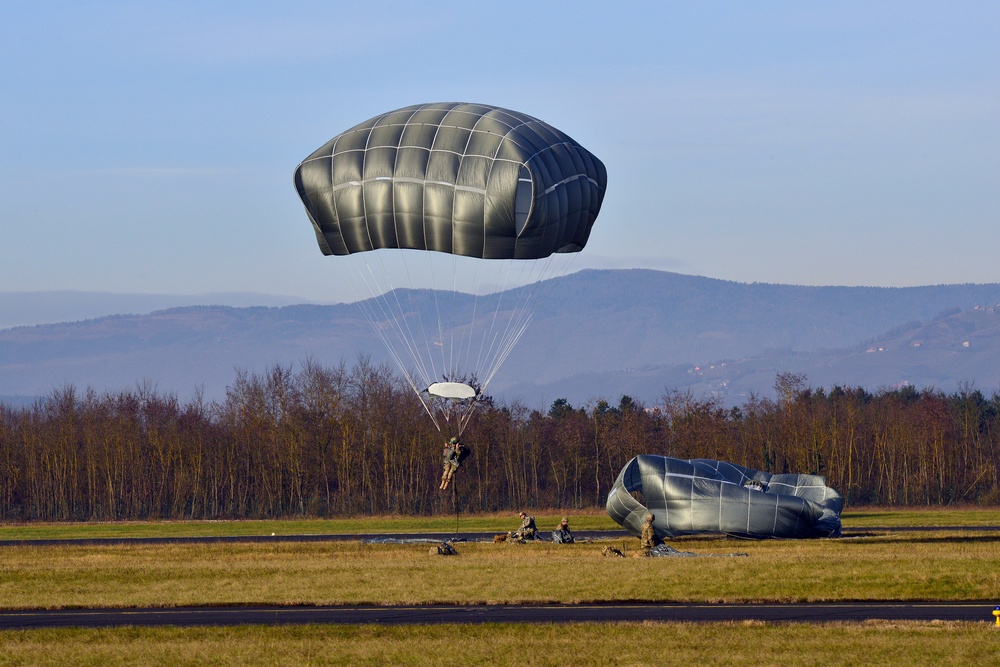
point(561, 535)
point(527, 530)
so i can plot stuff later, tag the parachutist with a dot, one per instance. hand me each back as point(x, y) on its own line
point(455, 452)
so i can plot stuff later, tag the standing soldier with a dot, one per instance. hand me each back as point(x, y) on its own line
point(648, 539)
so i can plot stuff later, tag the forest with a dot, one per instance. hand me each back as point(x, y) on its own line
point(346, 441)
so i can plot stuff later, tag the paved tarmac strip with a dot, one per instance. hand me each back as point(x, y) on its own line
point(558, 613)
point(267, 539)
point(409, 537)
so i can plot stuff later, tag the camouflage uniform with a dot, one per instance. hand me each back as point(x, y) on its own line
point(648, 539)
point(561, 535)
point(527, 529)
point(454, 453)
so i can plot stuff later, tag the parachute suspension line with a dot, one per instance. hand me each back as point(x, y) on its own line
point(446, 319)
point(463, 420)
point(534, 276)
point(507, 348)
point(481, 362)
point(470, 331)
point(418, 359)
point(377, 297)
point(401, 320)
point(495, 334)
point(413, 346)
point(437, 313)
point(392, 317)
point(514, 328)
point(450, 370)
point(477, 291)
point(368, 308)
point(427, 408)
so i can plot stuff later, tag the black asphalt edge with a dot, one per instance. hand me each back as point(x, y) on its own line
point(331, 537)
point(413, 537)
point(474, 614)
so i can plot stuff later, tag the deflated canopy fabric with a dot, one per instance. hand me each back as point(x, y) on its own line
point(705, 495)
point(465, 179)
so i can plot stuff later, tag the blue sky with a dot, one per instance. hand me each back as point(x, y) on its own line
point(149, 146)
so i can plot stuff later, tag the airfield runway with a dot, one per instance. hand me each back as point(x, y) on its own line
point(542, 613)
point(411, 537)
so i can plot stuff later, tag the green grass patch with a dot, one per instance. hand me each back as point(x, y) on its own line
point(863, 517)
point(788, 645)
point(465, 523)
point(595, 519)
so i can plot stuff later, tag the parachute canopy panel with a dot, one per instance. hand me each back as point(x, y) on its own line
point(708, 496)
point(452, 390)
point(465, 179)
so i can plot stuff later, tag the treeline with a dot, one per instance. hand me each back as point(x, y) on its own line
point(351, 441)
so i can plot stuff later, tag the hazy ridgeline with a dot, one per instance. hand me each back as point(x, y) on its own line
point(353, 441)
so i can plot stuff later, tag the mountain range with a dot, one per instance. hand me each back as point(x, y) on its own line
point(595, 334)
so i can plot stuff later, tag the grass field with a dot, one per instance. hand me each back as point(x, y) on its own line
point(934, 565)
point(908, 566)
point(592, 520)
point(643, 644)
point(856, 519)
point(872, 565)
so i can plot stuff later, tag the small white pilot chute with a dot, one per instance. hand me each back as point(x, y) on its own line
point(455, 390)
point(450, 400)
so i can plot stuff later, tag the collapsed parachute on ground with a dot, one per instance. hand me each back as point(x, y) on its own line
point(708, 496)
point(468, 182)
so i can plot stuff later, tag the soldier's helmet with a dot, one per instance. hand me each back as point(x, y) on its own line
point(453, 441)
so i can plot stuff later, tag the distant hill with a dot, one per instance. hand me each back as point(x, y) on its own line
point(18, 309)
point(595, 334)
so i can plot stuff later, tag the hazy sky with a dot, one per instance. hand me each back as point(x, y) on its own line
point(149, 146)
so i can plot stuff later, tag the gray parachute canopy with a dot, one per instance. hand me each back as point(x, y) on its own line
point(704, 495)
point(465, 179)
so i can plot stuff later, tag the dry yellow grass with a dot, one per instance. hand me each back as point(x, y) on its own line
point(902, 566)
point(905, 566)
point(787, 645)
